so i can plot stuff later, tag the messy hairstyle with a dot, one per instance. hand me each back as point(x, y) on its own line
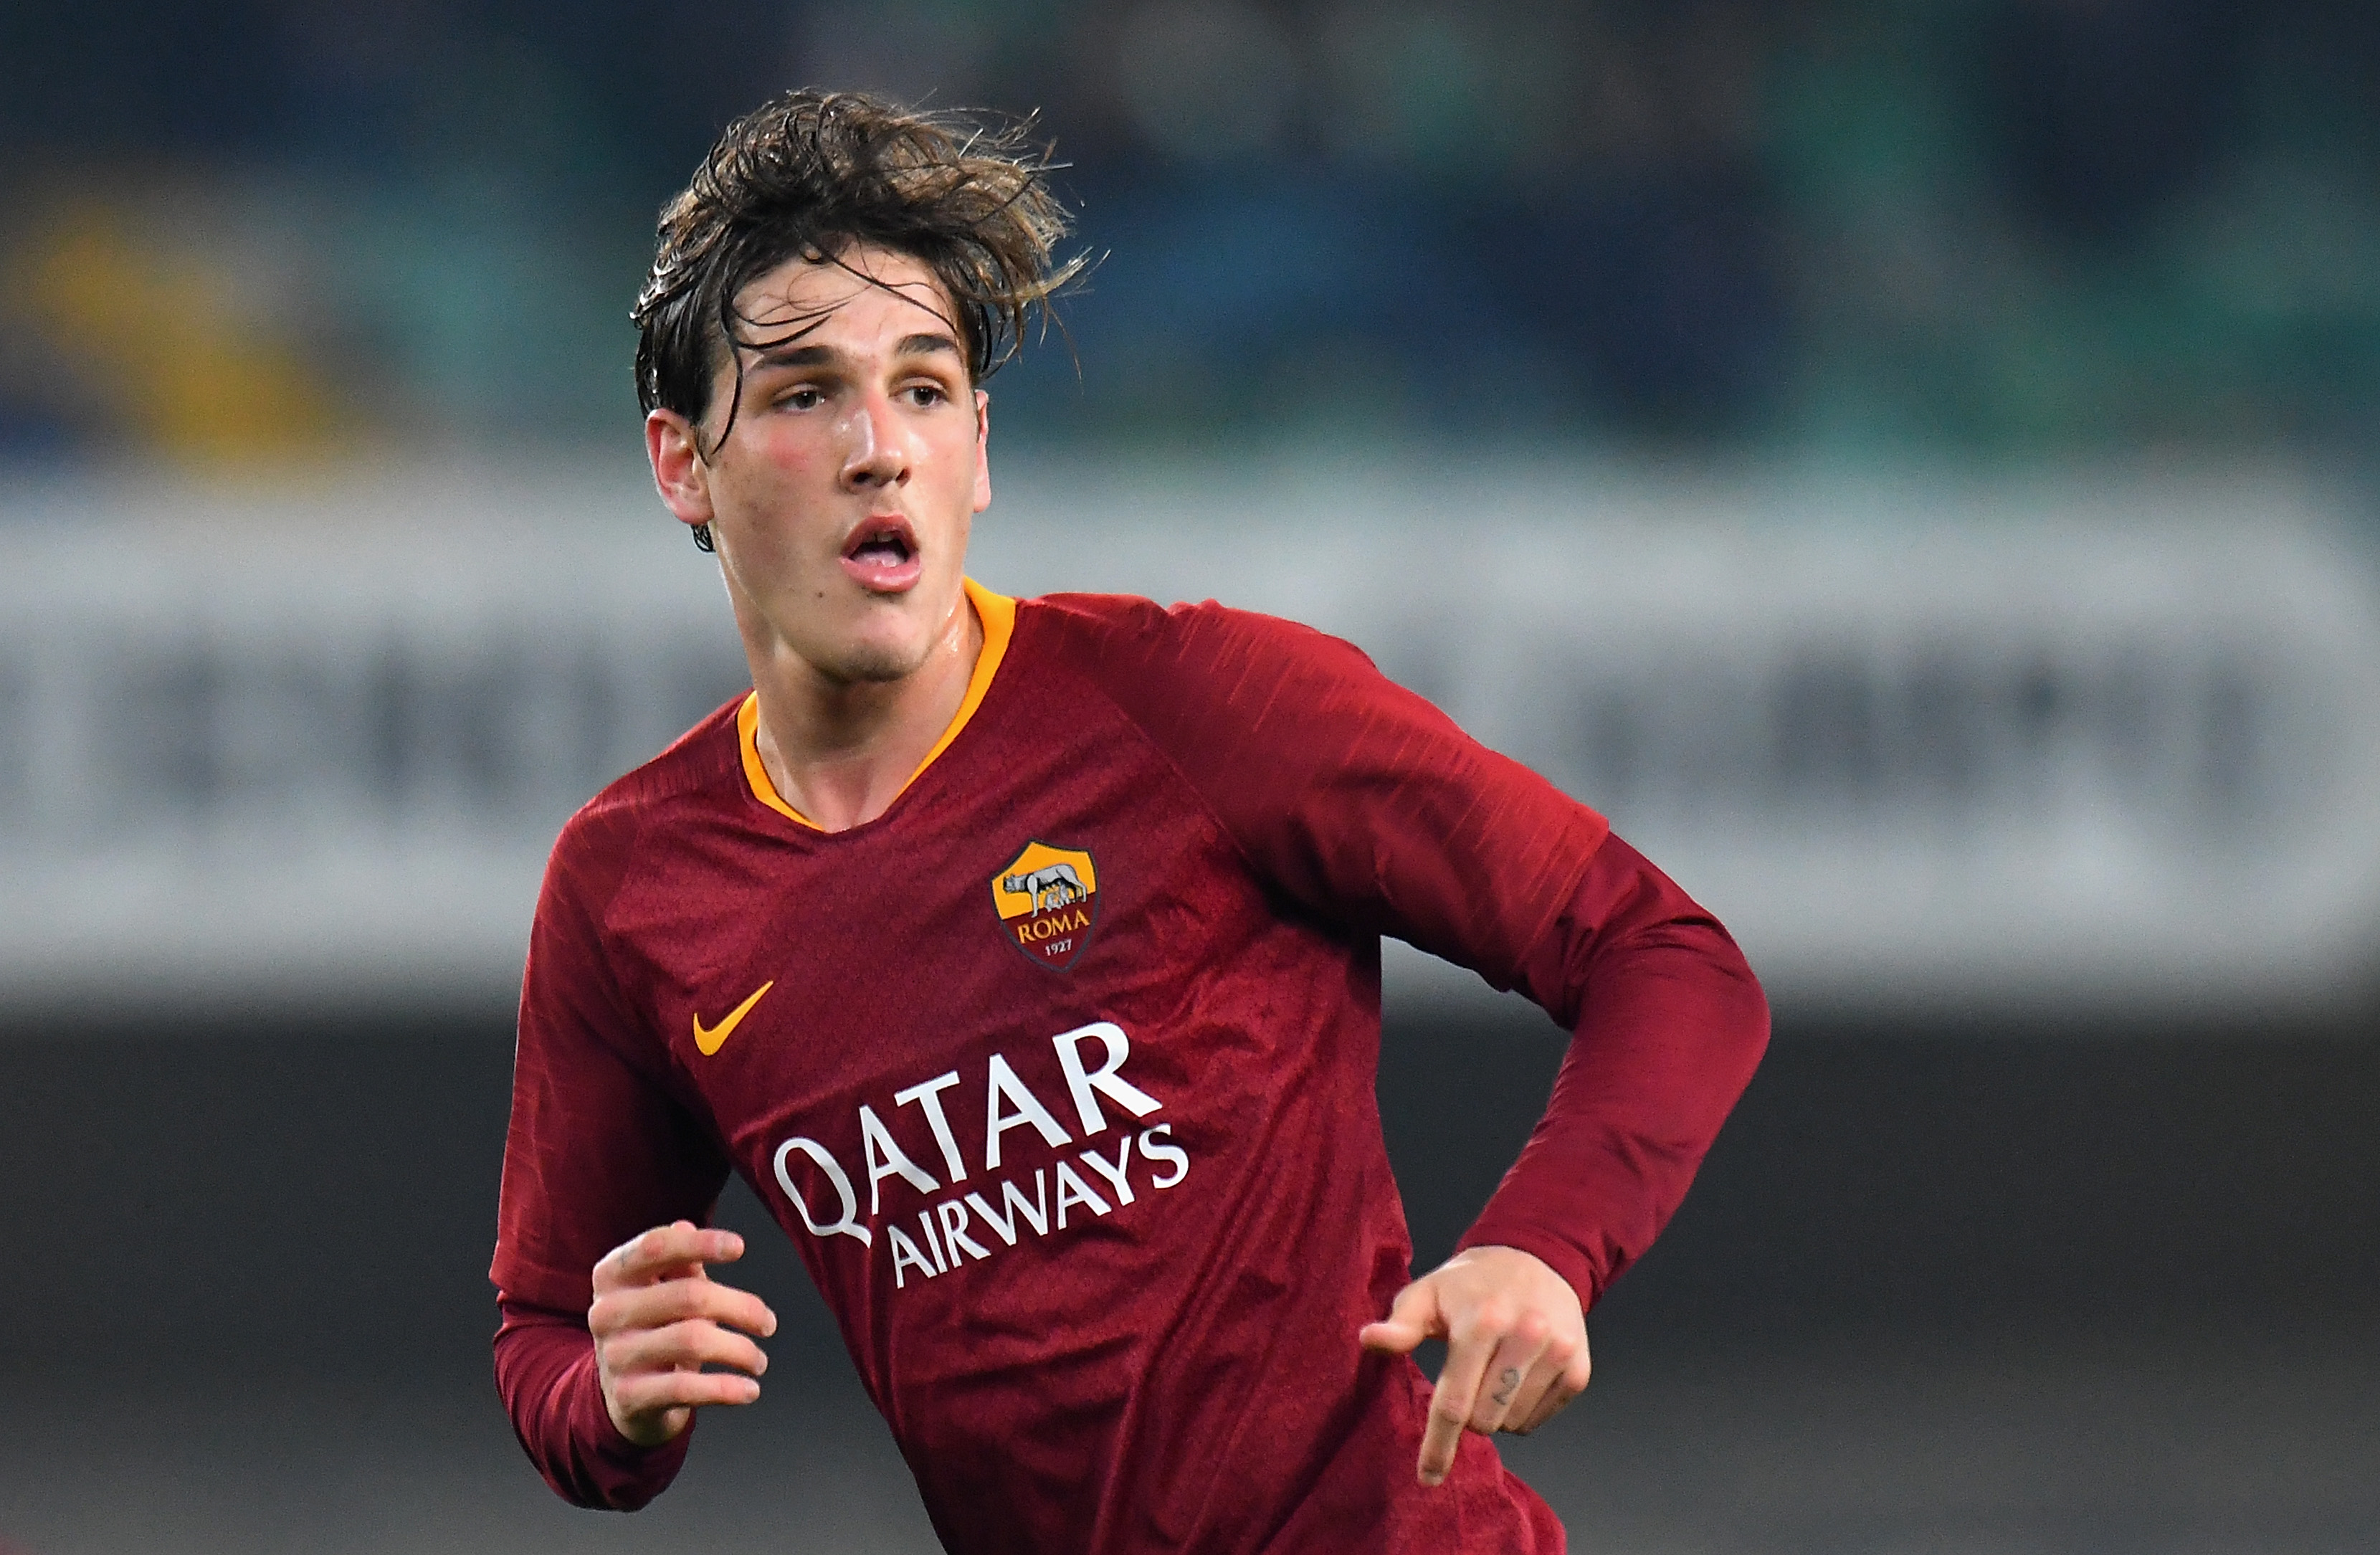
point(812, 174)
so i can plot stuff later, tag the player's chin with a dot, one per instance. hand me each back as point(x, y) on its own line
point(883, 658)
point(872, 638)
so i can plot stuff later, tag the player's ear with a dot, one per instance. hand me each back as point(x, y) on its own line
point(673, 445)
point(982, 450)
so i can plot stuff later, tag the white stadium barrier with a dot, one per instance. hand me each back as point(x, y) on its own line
point(1922, 743)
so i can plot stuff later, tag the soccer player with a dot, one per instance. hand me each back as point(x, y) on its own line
point(1024, 957)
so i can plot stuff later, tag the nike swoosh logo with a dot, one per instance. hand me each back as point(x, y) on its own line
point(709, 1042)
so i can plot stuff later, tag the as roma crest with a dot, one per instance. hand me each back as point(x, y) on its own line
point(1048, 898)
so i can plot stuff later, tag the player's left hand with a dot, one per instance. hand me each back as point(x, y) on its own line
point(1515, 1346)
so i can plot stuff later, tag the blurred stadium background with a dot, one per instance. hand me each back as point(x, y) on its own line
point(1911, 466)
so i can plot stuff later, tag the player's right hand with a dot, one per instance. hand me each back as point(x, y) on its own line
point(658, 1320)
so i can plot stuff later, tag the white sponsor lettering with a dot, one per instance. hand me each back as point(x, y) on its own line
point(1157, 1144)
point(928, 1098)
point(932, 1244)
point(886, 1158)
point(953, 1216)
point(1005, 1084)
point(1115, 1174)
point(1072, 1189)
point(1105, 1079)
point(1004, 1220)
point(846, 1224)
point(904, 1252)
point(974, 1226)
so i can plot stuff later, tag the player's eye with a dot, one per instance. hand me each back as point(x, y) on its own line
point(803, 396)
point(925, 395)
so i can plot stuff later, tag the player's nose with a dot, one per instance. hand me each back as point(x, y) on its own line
point(875, 452)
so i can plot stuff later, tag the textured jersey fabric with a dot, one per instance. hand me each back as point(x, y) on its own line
point(1062, 1081)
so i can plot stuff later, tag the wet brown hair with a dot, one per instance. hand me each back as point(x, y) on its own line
point(814, 174)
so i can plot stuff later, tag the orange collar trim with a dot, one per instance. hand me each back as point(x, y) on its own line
point(998, 614)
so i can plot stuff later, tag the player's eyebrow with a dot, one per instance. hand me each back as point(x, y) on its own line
point(918, 344)
point(922, 344)
point(796, 355)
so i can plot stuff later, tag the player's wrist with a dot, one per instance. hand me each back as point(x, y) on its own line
point(602, 1437)
point(1561, 1260)
point(645, 1430)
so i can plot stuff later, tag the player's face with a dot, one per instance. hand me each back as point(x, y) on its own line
point(841, 498)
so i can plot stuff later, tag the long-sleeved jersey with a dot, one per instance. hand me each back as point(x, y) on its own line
point(1060, 1074)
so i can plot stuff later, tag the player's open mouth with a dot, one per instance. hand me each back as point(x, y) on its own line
point(882, 556)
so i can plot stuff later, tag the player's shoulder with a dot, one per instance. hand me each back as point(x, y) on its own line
point(1120, 639)
point(625, 810)
point(1211, 687)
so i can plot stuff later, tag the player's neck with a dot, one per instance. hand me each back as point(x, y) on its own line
point(841, 751)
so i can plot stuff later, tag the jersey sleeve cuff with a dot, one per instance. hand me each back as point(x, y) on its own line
point(631, 1476)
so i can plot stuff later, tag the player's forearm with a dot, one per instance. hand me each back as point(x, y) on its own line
point(545, 1371)
point(1668, 1025)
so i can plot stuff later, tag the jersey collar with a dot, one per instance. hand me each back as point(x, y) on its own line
point(998, 614)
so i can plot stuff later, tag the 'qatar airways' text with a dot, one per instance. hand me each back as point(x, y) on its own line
point(979, 1221)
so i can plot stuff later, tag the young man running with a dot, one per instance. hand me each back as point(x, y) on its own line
point(1024, 957)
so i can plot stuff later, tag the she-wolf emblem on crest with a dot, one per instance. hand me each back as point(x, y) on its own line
point(1048, 899)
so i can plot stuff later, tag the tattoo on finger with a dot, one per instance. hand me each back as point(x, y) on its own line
point(1512, 1380)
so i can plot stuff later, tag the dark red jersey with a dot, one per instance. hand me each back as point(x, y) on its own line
point(1060, 1074)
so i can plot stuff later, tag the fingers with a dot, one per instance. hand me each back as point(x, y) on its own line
point(1412, 1316)
point(640, 1399)
point(1516, 1347)
point(687, 1346)
point(653, 1378)
point(658, 1320)
point(1565, 1377)
point(1492, 1371)
point(673, 1301)
point(674, 1251)
point(1513, 1379)
point(1451, 1405)
point(1555, 1399)
point(649, 1391)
